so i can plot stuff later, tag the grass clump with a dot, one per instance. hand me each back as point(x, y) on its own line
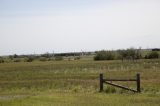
point(110, 89)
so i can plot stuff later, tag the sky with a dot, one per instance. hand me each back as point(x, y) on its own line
point(39, 26)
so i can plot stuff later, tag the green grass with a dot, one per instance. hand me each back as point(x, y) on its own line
point(76, 83)
point(59, 98)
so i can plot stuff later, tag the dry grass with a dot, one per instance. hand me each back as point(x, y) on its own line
point(75, 83)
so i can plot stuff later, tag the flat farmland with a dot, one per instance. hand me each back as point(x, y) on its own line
point(76, 83)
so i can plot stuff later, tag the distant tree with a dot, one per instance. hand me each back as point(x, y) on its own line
point(11, 57)
point(104, 55)
point(122, 54)
point(129, 54)
point(1, 60)
point(58, 58)
point(28, 59)
point(152, 55)
point(16, 60)
point(15, 56)
point(43, 59)
point(77, 58)
point(47, 55)
point(138, 54)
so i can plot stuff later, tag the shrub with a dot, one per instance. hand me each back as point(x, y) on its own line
point(1, 60)
point(122, 54)
point(17, 60)
point(77, 58)
point(152, 55)
point(50, 59)
point(58, 58)
point(10, 57)
point(130, 53)
point(43, 59)
point(15, 56)
point(28, 59)
point(47, 55)
point(104, 55)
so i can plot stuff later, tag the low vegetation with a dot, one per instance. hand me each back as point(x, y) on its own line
point(72, 79)
point(58, 58)
point(1, 60)
point(76, 83)
point(128, 54)
point(105, 55)
point(28, 59)
point(152, 55)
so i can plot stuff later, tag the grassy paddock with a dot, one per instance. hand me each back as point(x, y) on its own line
point(76, 83)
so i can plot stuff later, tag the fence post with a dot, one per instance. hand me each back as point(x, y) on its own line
point(138, 83)
point(101, 82)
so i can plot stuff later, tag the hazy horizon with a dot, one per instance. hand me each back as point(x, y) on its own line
point(39, 26)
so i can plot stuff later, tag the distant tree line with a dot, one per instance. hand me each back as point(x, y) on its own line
point(73, 54)
point(1, 60)
point(152, 55)
point(130, 54)
point(105, 55)
point(125, 54)
point(43, 57)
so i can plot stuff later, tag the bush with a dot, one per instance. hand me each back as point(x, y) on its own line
point(1, 60)
point(58, 58)
point(152, 55)
point(50, 59)
point(43, 59)
point(15, 56)
point(17, 60)
point(10, 57)
point(77, 58)
point(104, 55)
point(47, 55)
point(130, 53)
point(28, 59)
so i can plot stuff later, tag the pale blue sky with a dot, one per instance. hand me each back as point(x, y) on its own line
point(39, 26)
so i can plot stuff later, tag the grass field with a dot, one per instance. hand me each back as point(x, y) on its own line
point(76, 83)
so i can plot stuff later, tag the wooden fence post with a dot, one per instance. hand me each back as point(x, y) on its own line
point(101, 82)
point(138, 83)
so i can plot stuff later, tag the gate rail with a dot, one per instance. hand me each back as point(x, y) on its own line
point(106, 81)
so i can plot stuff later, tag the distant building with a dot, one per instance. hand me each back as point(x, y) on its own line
point(156, 49)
